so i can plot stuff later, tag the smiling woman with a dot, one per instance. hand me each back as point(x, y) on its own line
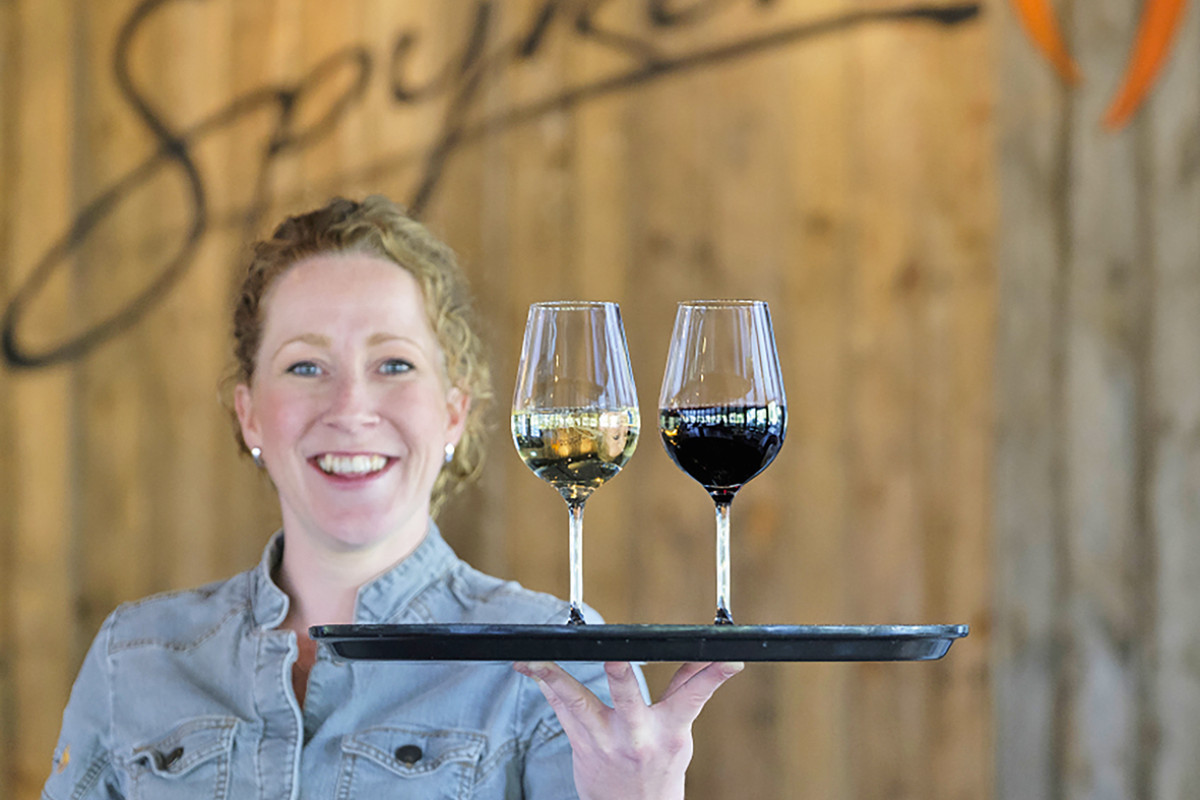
point(358, 387)
point(350, 405)
point(380, 229)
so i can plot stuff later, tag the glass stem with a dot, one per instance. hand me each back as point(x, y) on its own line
point(575, 509)
point(723, 615)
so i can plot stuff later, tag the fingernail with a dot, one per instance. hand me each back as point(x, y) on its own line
point(534, 669)
point(731, 668)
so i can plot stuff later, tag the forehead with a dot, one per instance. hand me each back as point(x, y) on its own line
point(343, 290)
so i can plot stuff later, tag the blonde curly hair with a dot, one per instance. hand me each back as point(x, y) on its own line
point(378, 227)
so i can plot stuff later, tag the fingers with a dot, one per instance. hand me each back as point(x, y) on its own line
point(688, 698)
point(682, 675)
point(568, 697)
point(624, 687)
point(577, 708)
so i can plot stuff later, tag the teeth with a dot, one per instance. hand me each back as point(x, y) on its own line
point(351, 465)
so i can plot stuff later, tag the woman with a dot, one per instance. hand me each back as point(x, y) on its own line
point(359, 388)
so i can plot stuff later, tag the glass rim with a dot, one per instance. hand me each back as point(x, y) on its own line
point(570, 305)
point(731, 303)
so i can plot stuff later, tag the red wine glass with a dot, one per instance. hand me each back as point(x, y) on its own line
point(722, 411)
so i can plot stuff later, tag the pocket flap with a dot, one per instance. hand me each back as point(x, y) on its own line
point(413, 750)
point(186, 746)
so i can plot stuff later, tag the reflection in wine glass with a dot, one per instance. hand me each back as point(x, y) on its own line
point(722, 410)
point(575, 417)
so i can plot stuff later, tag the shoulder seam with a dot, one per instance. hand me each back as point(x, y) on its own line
point(133, 644)
point(202, 591)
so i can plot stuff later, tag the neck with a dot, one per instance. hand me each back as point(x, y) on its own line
point(322, 584)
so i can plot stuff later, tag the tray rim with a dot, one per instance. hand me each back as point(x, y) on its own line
point(383, 629)
point(649, 642)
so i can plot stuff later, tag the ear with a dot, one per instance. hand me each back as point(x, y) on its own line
point(243, 404)
point(458, 403)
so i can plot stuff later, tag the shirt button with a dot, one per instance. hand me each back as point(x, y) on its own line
point(408, 754)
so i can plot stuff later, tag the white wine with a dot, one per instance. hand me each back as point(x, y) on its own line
point(576, 450)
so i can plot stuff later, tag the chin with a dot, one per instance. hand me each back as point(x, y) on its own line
point(359, 530)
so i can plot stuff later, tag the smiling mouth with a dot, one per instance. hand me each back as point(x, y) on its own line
point(355, 466)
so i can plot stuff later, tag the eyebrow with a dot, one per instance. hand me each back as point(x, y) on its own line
point(314, 339)
point(317, 340)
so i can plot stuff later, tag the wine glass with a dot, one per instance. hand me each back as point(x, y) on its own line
point(575, 418)
point(722, 411)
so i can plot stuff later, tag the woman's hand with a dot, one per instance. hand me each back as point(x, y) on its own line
point(631, 750)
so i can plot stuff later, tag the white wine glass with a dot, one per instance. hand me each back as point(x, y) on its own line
point(722, 412)
point(575, 418)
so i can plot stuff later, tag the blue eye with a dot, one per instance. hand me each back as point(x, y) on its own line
point(395, 366)
point(304, 369)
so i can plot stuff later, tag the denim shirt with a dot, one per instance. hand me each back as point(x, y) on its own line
point(189, 695)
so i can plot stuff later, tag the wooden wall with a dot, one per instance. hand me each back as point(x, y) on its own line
point(1098, 437)
point(832, 157)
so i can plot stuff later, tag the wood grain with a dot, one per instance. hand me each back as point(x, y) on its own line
point(9, 84)
point(1098, 264)
point(1172, 694)
point(845, 176)
point(42, 630)
point(1030, 592)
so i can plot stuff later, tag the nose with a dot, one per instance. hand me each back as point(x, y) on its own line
point(352, 405)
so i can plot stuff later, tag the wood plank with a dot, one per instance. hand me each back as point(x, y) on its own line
point(119, 447)
point(812, 327)
point(264, 53)
point(41, 590)
point(1108, 275)
point(953, 433)
point(9, 96)
point(429, 97)
point(1030, 559)
point(330, 36)
point(281, 189)
point(1173, 694)
point(185, 336)
point(247, 205)
point(228, 536)
point(887, 710)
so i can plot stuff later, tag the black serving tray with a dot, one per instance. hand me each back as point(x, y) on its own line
point(463, 642)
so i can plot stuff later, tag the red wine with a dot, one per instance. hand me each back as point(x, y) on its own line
point(723, 447)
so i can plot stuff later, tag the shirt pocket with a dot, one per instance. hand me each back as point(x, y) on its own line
point(409, 762)
point(189, 762)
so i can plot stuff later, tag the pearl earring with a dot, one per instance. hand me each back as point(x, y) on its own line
point(256, 454)
point(449, 452)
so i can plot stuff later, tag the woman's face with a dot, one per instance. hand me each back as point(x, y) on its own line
point(349, 402)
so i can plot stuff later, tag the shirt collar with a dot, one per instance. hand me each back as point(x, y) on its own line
point(268, 603)
point(384, 599)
